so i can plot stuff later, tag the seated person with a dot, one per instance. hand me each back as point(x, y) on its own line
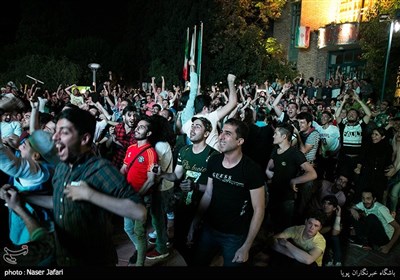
point(325, 187)
point(331, 230)
point(373, 224)
point(302, 245)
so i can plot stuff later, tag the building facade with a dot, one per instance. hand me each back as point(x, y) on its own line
point(318, 36)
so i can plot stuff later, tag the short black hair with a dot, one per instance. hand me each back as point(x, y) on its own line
point(305, 116)
point(318, 215)
point(83, 121)
point(242, 130)
point(286, 129)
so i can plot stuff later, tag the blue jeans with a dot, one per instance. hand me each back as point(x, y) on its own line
point(136, 232)
point(212, 241)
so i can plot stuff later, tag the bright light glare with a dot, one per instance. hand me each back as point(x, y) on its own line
point(396, 26)
point(94, 66)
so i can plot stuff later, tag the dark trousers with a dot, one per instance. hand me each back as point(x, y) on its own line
point(369, 229)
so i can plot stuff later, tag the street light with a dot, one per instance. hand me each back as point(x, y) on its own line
point(394, 25)
point(94, 67)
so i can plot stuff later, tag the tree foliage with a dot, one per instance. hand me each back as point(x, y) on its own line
point(141, 39)
point(48, 69)
point(374, 41)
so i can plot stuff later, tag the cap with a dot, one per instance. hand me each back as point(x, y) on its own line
point(332, 199)
point(207, 124)
point(12, 85)
point(42, 143)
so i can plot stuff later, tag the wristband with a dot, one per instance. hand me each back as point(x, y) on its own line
point(336, 225)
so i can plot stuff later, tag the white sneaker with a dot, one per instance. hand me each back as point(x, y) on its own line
point(170, 215)
point(330, 263)
point(153, 234)
point(338, 264)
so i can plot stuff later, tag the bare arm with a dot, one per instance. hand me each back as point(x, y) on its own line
point(366, 109)
point(203, 206)
point(258, 203)
point(162, 84)
point(67, 89)
point(288, 249)
point(175, 176)
point(121, 206)
point(102, 110)
point(149, 182)
point(13, 202)
point(270, 167)
point(278, 99)
point(339, 110)
point(386, 248)
point(309, 174)
point(45, 201)
point(232, 98)
point(34, 120)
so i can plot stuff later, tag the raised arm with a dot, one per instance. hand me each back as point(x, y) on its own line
point(34, 120)
point(162, 84)
point(222, 112)
point(339, 110)
point(67, 89)
point(365, 108)
point(278, 99)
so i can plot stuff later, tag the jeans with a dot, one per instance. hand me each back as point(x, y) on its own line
point(333, 242)
point(394, 194)
point(158, 208)
point(136, 232)
point(212, 241)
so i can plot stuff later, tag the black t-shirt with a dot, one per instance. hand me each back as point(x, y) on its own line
point(230, 210)
point(286, 167)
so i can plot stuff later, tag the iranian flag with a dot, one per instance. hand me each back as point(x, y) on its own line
point(302, 37)
point(186, 60)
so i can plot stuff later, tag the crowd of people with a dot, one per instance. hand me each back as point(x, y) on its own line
point(303, 166)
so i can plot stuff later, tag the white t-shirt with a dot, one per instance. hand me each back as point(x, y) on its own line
point(329, 137)
point(212, 139)
point(382, 213)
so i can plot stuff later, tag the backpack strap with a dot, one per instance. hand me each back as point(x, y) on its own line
point(141, 152)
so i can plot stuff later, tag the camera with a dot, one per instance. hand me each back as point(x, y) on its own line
point(155, 169)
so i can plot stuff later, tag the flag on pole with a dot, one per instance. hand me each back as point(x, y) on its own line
point(302, 37)
point(199, 52)
point(193, 46)
point(186, 60)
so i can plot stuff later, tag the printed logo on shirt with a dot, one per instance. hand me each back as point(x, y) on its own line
point(141, 159)
point(283, 163)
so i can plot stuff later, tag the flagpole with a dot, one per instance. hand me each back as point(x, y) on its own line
point(199, 54)
point(186, 58)
point(193, 50)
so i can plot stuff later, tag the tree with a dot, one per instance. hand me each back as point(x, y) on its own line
point(48, 69)
point(373, 42)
